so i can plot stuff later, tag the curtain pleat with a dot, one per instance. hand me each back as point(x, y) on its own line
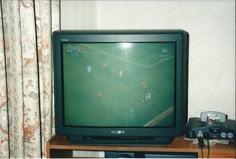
point(4, 140)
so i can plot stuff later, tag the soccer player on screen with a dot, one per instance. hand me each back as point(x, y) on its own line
point(89, 68)
point(99, 95)
point(121, 73)
point(148, 96)
point(144, 84)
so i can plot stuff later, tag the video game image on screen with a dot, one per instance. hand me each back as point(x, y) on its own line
point(131, 84)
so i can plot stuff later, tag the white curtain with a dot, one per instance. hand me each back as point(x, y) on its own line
point(26, 87)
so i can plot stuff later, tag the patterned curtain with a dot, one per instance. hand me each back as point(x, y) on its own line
point(26, 94)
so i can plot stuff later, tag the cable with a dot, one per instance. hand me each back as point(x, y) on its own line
point(201, 144)
point(208, 147)
point(206, 136)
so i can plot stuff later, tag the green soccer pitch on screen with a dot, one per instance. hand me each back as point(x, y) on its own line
point(131, 84)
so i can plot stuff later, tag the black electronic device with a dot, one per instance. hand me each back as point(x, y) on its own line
point(211, 125)
point(121, 87)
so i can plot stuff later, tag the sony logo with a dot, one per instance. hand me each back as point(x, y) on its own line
point(118, 132)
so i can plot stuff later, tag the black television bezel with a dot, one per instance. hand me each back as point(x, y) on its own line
point(180, 37)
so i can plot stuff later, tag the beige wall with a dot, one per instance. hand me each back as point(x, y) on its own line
point(211, 25)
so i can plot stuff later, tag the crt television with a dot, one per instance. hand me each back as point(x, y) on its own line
point(121, 87)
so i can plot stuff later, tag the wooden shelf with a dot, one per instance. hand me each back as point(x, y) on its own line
point(58, 146)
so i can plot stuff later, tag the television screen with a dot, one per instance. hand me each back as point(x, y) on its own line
point(120, 86)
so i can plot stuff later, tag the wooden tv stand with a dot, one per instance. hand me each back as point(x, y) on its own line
point(58, 146)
